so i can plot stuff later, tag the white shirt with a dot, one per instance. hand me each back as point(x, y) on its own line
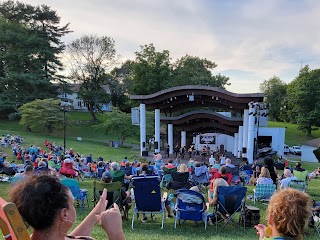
point(223, 161)
point(285, 182)
point(211, 161)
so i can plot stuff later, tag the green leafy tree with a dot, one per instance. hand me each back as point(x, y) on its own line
point(120, 83)
point(151, 71)
point(43, 114)
point(30, 42)
point(119, 123)
point(90, 58)
point(190, 70)
point(275, 93)
point(304, 100)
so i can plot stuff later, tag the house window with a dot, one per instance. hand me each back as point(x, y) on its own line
point(65, 95)
point(79, 104)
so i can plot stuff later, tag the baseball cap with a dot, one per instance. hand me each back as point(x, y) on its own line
point(106, 176)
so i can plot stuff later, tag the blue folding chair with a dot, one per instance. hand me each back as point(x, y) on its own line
point(148, 196)
point(231, 200)
point(78, 194)
point(190, 205)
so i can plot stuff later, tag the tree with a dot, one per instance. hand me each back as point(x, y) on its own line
point(275, 93)
point(30, 42)
point(151, 71)
point(304, 99)
point(120, 83)
point(118, 123)
point(190, 70)
point(90, 58)
point(42, 114)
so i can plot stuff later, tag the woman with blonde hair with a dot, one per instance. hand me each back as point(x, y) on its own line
point(287, 215)
point(183, 168)
point(264, 177)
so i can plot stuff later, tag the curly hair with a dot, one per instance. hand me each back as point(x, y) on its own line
point(289, 209)
point(39, 200)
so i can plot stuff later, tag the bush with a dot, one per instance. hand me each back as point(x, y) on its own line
point(316, 152)
point(14, 116)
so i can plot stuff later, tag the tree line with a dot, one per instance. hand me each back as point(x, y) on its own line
point(296, 102)
point(31, 53)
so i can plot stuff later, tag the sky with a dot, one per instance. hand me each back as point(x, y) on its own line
point(249, 40)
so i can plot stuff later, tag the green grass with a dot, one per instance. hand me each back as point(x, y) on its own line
point(95, 142)
point(293, 135)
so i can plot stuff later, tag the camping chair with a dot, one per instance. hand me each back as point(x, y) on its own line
point(303, 176)
point(78, 194)
point(298, 185)
point(166, 178)
point(235, 174)
point(190, 205)
point(11, 223)
point(200, 176)
point(231, 200)
point(113, 195)
point(179, 180)
point(263, 192)
point(117, 175)
point(148, 196)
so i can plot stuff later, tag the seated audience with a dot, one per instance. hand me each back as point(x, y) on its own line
point(288, 177)
point(264, 177)
point(255, 176)
point(48, 207)
point(170, 164)
point(315, 173)
point(67, 168)
point(287, 215)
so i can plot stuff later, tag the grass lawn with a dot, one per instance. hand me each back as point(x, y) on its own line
point(95, 142)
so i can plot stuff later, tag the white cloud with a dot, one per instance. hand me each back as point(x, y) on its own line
point(260, 38)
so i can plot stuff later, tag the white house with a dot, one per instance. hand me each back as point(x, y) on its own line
point(77, 103)
point(307, 148)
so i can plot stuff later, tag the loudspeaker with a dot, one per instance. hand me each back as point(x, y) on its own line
point(156, 145)
point(145, 153)
point(244, 150)
point(143, 144)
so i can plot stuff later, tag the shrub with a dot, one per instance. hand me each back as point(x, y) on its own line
point(14, 116)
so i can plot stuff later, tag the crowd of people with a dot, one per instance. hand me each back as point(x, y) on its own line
point(287, 212)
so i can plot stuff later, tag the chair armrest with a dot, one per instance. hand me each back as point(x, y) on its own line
point(207, 207)
point(164, 197)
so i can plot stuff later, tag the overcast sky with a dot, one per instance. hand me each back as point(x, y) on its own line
point(250, 40)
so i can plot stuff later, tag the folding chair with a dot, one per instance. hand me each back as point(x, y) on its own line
point(179, 180)
point(113, 195)
point(298, 185)
point(190, 205)
point(117, 175)
point(231, 200)
point(11, 223)
point(200, 176)
point(303, 176)
point(148, 197)
point(235, 174)
point(166, 178)
point(263, 192)
point(78, 194)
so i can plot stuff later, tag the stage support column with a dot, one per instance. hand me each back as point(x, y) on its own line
point(251, 131)
point(143, 136)
point(183, 138)
point(245, 131)
point(170, 137)
point(157, 129)
point(240, 136)
point(235, 144)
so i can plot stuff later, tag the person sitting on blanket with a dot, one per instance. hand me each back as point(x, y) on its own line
point(287, 215)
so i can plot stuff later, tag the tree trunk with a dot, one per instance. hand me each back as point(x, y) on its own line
point(92, 113)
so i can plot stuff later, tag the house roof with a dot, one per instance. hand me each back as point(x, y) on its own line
point(75, 87)
point(313, 143)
